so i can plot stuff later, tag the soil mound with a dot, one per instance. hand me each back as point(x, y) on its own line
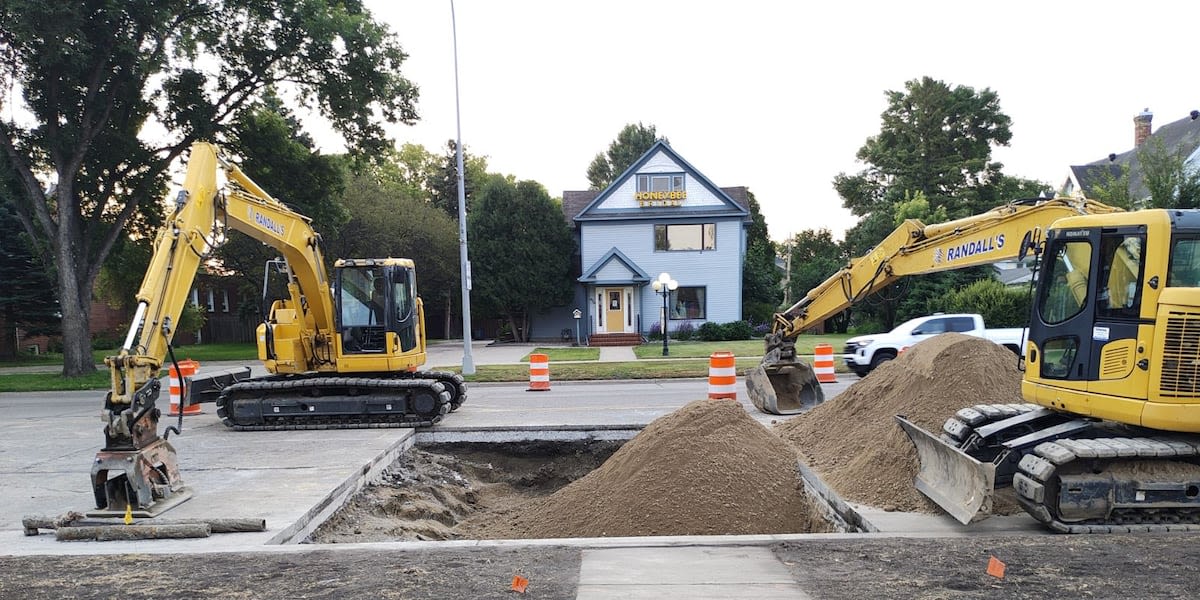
point(853, 441)
point(705, 469)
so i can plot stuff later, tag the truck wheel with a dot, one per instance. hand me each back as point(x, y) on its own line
point(861, 372)
point(880, 358)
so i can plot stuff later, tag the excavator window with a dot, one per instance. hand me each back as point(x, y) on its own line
point(1121, 268)
point(362, 308)
point(1067, 270)
point(1185, 263)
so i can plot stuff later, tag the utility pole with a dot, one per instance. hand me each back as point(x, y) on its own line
point(464, 264)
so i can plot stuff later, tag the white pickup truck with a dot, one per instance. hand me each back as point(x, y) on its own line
point(865, 352)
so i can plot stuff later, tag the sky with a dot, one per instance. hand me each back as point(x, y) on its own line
point(779, 96)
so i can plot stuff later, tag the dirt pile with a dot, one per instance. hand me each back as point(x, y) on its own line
point(853, 441)
point(705, 469)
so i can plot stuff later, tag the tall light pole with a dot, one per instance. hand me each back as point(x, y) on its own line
point(665, 285)
point(464, 265)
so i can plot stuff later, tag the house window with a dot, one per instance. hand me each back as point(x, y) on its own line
point(699, 236)
point(660, 183)
point(224, 300)
point(688, 303)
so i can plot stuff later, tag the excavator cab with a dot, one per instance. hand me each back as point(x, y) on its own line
point(378, 314)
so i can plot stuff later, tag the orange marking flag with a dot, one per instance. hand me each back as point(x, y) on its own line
point(995, 567)
point(519, 584)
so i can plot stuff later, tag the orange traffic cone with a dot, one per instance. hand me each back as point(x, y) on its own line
point(823, 363)
point(722, 376)
point(187, 368)
point(539, 373)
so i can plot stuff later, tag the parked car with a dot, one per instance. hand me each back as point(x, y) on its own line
point(864, 353)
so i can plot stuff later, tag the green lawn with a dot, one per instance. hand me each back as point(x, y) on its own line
point(693, 349)
point(198, 352)
point(687, 359)
point(559, 354)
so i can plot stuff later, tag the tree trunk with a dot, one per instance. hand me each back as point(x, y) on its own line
point(74, 299)
point(518, 332)
point(76, 337)
point(8, 333)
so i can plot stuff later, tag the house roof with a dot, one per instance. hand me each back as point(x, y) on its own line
point(575, 204)
point(1180, 137)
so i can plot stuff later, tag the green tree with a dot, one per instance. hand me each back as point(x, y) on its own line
point(761, 293)
point(388, 219)
point(632, 142)
point(27, 299)
point(280, 159)
point(1000, 306)
point(935, 142)
point(521, 252)
point(442, 183)
point(814, 257)
point(94, 74)
point(1170, 180)
point(1113, 189)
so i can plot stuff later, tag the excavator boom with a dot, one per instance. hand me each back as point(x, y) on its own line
point(784, 384)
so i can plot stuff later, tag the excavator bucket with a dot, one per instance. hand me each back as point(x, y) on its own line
point(783, 387)
point(958, 483)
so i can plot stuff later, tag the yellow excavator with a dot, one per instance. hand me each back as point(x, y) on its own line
point(342, 351)
point(1106, 441)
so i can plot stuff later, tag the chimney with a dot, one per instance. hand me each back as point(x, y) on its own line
point(1141, 127)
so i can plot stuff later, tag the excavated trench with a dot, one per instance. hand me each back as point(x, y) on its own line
point(705, 469)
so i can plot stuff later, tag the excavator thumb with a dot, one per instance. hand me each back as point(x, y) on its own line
point(783, 387)
point(955, 481)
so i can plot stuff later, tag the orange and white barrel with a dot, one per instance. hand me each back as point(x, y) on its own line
point(187, 368)
point(823, 363)
point(539, 373)
point(722, 376)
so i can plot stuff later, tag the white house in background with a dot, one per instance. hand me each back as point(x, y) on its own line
point(660, 216)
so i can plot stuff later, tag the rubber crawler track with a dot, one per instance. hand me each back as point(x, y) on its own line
point(1040, 473)
point(1040, 469)
point(382, 400)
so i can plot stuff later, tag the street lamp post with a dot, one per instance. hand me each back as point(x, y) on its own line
point(665, 285)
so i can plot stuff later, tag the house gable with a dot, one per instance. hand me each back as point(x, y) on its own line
point(614, 268)
point(698, 198)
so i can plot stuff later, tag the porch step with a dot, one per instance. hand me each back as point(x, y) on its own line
point(615, 339)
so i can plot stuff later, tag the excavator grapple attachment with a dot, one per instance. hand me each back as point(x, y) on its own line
point(955, 481)
point(783, 387)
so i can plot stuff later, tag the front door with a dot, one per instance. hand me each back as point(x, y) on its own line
point(616, 310)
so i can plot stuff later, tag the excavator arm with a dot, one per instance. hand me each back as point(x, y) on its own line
point(199, 220)
point(785, 385)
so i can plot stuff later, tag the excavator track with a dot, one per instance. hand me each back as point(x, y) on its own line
point(1108, 483)
point(1112, 485)
point(454, 384)
point(293, 402)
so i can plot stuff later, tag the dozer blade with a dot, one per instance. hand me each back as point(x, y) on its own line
point(958, 483)
point(784, 388)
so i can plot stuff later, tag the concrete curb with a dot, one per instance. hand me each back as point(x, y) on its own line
point(834, 507)
point(299, 530)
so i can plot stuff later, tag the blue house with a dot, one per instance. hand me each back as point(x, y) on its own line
point(660, 216)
